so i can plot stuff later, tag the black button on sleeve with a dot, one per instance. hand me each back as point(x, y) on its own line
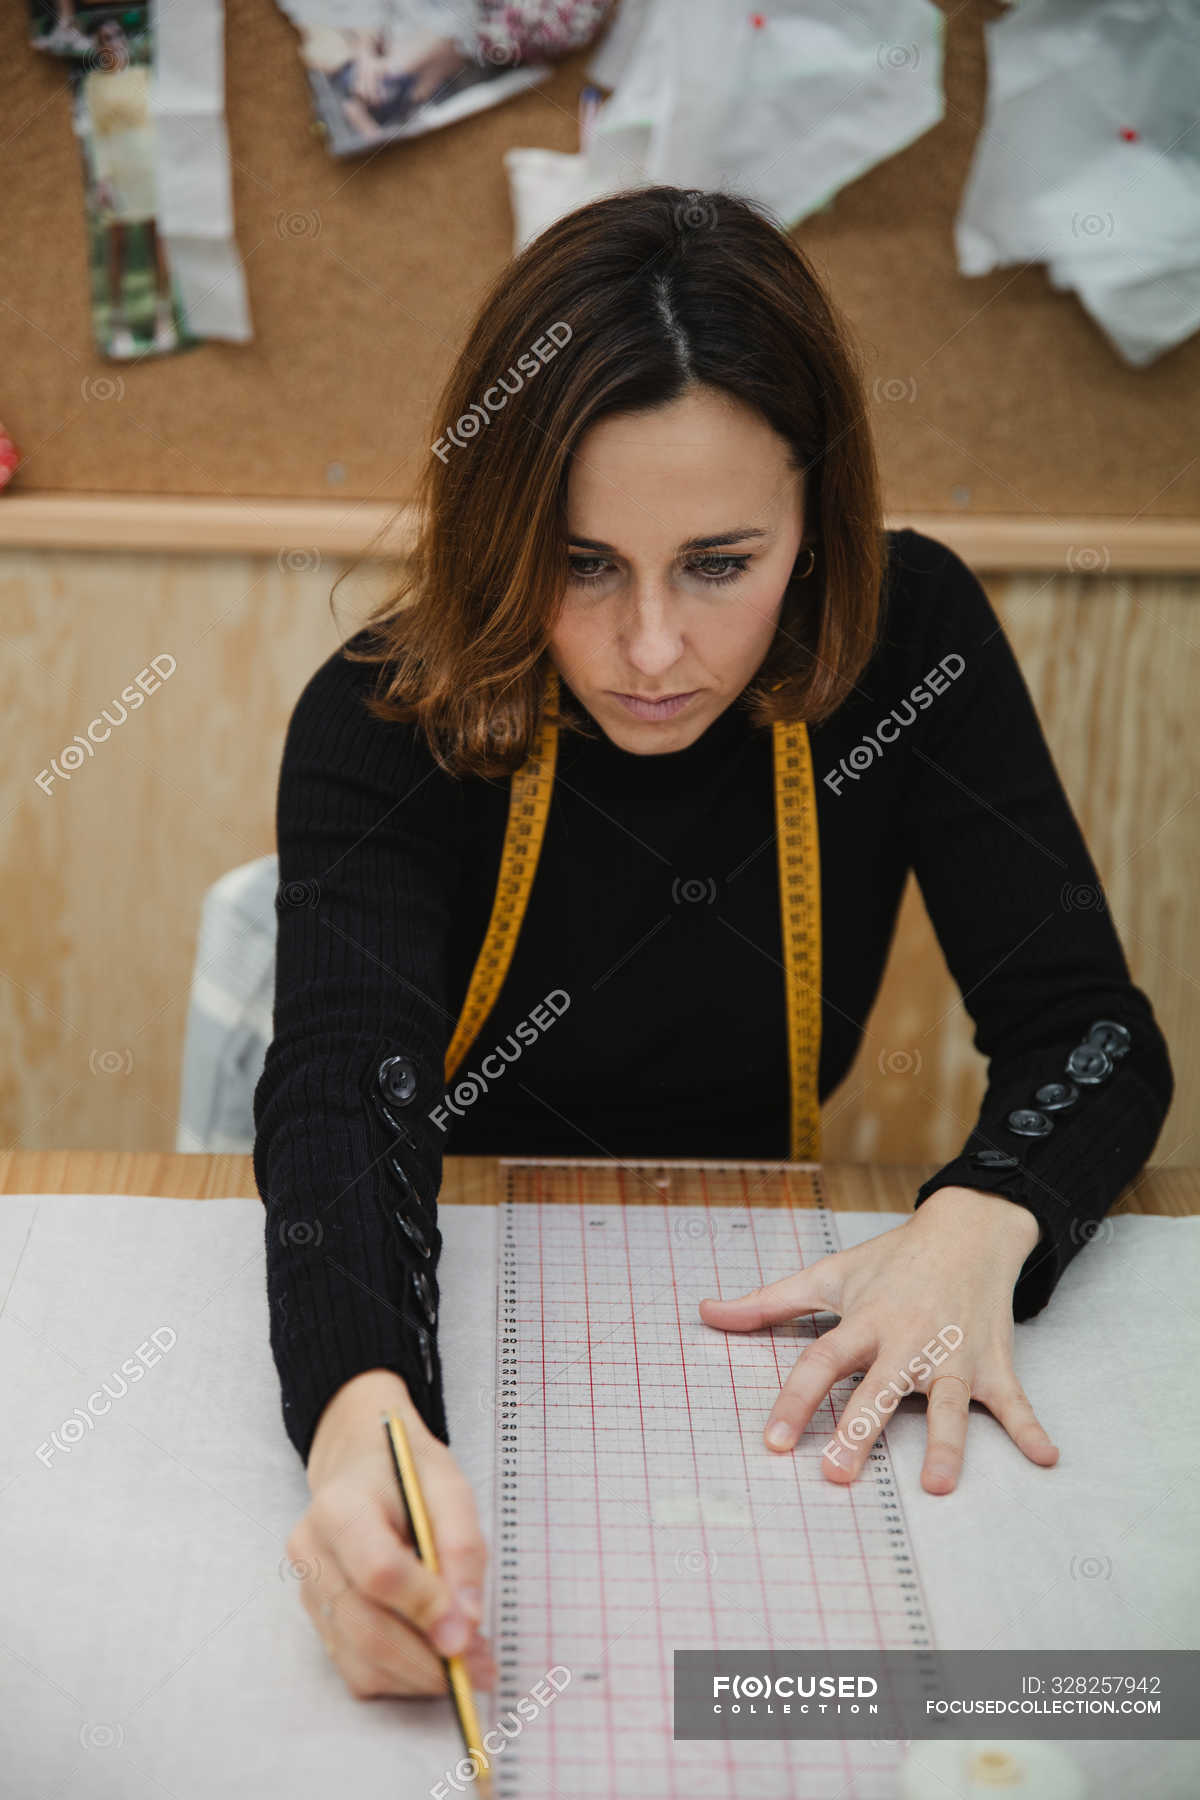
point(1027, 1121)
point(1089, 1064)
point(412, 1231)
point(423, 1289)
point(398, 1079)
point(425, 1348)
point(390, 1117)
point(1056, 1096)
point(1112, 1037)
point(402, 1181)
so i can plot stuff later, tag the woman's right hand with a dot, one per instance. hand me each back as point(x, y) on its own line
point(384, 1617)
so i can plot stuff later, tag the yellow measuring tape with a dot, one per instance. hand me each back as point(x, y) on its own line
point(799, 909)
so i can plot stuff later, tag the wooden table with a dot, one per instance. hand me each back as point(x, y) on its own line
point(849, 1187)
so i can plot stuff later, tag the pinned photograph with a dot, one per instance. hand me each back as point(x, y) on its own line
point(108, 52)
point(390, 69)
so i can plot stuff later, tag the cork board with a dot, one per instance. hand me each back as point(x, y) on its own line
point(990, 395)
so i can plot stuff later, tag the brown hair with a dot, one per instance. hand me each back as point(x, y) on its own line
point(621, 306)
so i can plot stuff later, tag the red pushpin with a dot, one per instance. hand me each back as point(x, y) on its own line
point(758, 20)
point(1129, 134)
point(10, 457)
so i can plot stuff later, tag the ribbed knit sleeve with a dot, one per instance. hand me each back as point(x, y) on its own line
point(345, 1157)
point(1079, 1077)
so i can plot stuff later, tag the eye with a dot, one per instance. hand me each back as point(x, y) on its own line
point(728, 568)
point(586, 580)
point(712, 570)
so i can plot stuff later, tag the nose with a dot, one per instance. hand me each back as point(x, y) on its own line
point(651, 638)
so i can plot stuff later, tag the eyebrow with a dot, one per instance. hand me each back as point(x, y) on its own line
point(716, 542)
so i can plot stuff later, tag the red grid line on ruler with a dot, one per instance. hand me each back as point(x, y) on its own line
point(781, 1376)
point(610, 1734)
point(826, 1403)
point(546, 1478)
point(856, 1543)
point(662, 1650)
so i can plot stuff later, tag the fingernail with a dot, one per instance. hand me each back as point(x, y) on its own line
point(470, 1601)
point(452, 1633)
point(780, 1435)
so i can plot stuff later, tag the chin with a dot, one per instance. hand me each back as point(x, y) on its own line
point(658, 745)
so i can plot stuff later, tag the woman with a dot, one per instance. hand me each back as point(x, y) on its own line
point(652, 555)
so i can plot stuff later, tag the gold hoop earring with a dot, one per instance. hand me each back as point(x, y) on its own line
point(812, 563)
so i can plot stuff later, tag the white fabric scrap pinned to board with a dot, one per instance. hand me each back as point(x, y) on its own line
point(1085, 162)
point(787, 105)
point(191, 166)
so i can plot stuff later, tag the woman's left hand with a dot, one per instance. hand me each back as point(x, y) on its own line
point(929, 1299)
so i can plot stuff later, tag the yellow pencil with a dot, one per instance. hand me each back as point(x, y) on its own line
point(422, 1530)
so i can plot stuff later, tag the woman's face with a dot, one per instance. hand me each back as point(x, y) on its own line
point(684, 524)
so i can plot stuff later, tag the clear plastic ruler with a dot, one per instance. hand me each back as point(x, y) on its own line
point(638, 1510)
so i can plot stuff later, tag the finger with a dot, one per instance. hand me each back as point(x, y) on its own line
point(1011, 1405)
point(770, 1305)
point(864, 1416)
point(947, 1410)
point(359, 1676)
point(368, 1545)
point(380, 1653)
point(375, 1651)
point(366, 1637)
point(822, 1363)
point(459, 1539)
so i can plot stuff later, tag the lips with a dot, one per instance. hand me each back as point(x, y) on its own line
point(665, 708)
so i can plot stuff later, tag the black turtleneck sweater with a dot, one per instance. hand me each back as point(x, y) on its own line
point(643, 1013)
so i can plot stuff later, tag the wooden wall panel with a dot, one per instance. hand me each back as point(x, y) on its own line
point(107, 871)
